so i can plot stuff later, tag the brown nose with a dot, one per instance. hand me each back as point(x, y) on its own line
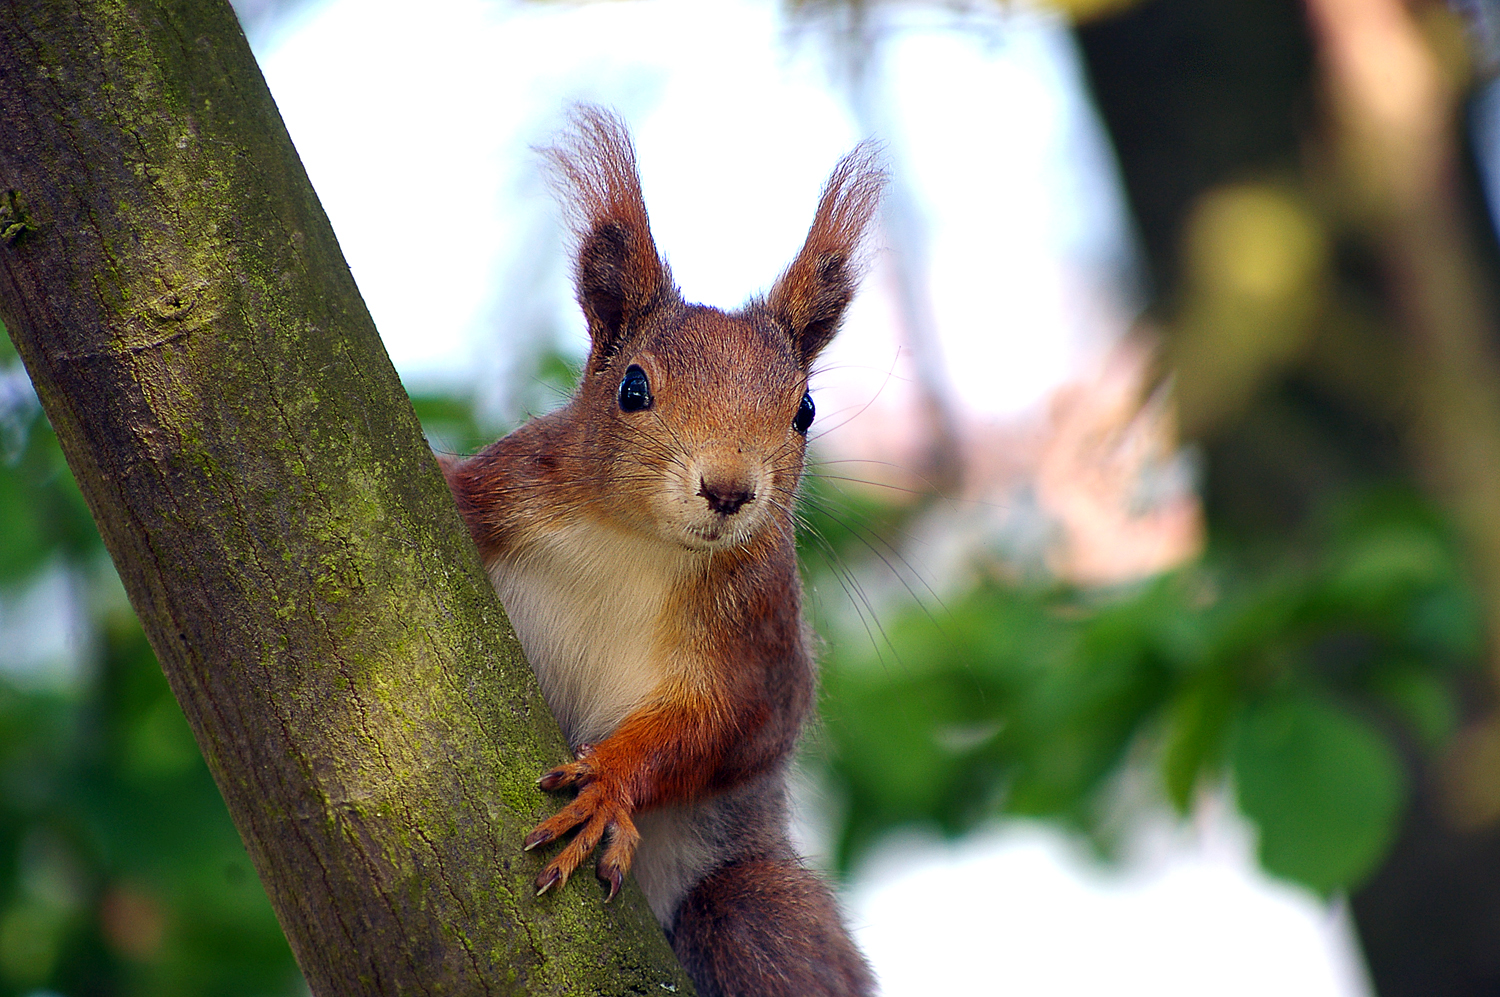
point(725, 498)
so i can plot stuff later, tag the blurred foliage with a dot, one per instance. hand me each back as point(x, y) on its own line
point(1325, 279)
point(462, 423)
point(450, 423)
point(1303, 681)
point(120, 871)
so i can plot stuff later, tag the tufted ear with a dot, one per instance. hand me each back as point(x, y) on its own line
point(810, 297)
point(619, 277)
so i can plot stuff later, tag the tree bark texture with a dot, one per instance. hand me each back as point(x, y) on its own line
point(261, 481)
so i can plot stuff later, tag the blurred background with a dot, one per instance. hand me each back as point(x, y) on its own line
point(1153, 533)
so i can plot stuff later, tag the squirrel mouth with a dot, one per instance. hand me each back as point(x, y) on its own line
point(711, 536)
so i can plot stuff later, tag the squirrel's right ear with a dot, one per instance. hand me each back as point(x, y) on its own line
point(810, 297)
point(618, 275)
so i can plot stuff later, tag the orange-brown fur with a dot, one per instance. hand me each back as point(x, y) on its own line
point(646, 557)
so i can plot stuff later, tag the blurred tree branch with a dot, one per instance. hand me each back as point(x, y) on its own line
point(261, 482)
point(1393, 115)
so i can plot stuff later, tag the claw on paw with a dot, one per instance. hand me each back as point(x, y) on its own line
point(597, 813)
point(549, 878)
point(575, 773)
point(614, 879)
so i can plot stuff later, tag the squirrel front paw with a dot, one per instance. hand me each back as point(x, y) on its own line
point(601, 809)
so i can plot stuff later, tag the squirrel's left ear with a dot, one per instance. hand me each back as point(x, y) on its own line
point(810, 297)
point(619, 277)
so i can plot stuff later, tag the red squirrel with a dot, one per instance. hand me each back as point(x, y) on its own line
point(641, 539)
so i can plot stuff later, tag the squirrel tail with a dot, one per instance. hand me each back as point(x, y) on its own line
point(767, 927)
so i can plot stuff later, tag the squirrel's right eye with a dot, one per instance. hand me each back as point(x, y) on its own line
point(635, 390)
point(805, 413)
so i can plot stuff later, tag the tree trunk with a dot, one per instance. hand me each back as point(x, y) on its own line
point(261, 481)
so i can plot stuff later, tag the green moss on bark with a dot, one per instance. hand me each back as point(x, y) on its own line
point(261, 481)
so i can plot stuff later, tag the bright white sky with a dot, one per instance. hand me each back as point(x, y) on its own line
point(416, 132)
point(415, 129)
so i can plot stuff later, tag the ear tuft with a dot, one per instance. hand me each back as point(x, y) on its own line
point(810, 297)
point(619, 277)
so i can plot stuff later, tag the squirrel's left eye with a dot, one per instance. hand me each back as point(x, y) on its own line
point(635, 390)
point(805, 413)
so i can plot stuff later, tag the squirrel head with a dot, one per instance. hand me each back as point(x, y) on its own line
point(698, 418)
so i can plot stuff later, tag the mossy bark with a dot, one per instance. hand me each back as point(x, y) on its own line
point(261, 481)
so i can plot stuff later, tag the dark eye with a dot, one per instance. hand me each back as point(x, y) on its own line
point(635, 390)
point(805, 413)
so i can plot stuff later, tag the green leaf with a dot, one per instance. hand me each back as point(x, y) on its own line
point(1448, 623)
point(1424, 700)
point(1387, 564)
point(1196, 724)
point(1322, 785)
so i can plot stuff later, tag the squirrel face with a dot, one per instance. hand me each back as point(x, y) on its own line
point(707, 428)
point(697, 418)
